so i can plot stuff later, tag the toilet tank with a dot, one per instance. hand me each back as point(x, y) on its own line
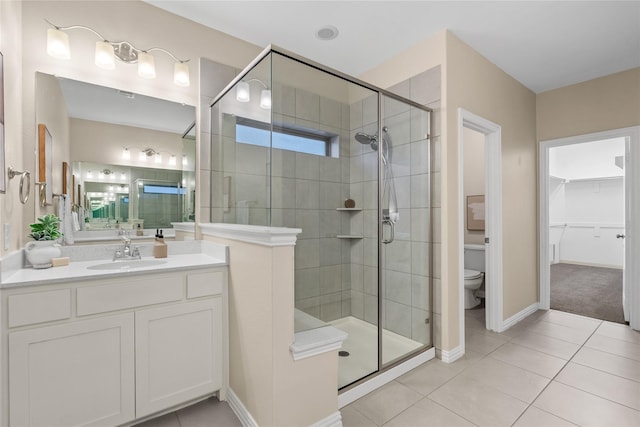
point(474, 257)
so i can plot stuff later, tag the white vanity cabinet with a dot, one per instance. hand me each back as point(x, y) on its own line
point(178, 354)
point(78, 373)
point(109, 352)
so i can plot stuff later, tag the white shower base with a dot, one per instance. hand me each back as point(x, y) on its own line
point(362, 345)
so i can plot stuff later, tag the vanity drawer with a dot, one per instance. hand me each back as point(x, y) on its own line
point(38, 307)
point(130, 294)
point(205, 284)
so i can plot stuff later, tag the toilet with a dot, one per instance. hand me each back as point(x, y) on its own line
point(474, 267)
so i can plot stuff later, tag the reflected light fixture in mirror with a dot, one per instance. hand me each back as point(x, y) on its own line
point(107, 52)
point(243, 93)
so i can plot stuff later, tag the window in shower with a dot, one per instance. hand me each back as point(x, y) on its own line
point(286, 138)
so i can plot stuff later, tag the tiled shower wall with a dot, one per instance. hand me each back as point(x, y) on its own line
point(405, 268)
point(425, 89)
point(307, 190)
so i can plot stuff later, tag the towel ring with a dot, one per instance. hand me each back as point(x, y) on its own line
point(24, 196)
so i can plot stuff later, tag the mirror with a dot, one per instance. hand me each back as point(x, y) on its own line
point(132, 156)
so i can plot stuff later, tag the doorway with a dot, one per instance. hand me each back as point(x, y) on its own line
point(580, 226)
point(586, 228)
point(491, 239)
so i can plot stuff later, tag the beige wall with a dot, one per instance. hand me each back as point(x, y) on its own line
point(52, 112)
point(274, 388)
point(480, 87)
point(473, 159)
point(610, 102)
point(24, 29)
point(472, 82)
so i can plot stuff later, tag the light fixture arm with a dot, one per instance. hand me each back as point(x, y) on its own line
point(257, 80)
point(124, 50)
point(181, 61)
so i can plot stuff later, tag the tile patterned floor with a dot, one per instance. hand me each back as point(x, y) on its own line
point(208, 413)
point(552, 369)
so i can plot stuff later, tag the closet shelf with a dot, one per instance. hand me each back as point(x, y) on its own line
point(349, 236)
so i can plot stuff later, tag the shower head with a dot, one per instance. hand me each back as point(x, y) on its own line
point(366, 139)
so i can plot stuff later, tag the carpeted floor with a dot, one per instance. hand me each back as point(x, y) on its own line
point(589, 291)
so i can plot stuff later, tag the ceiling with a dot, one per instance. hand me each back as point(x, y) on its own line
point(543, 44)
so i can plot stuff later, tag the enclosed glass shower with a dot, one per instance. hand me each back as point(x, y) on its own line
point(294, 144)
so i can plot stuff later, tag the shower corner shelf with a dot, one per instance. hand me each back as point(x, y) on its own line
point(349, 236)
point(349, 209)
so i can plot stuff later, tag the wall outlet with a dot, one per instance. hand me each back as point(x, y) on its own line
point(5, 236)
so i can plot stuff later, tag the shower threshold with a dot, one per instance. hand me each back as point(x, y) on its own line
point(362, 345)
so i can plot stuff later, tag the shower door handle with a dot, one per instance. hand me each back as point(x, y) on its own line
point(391, 235)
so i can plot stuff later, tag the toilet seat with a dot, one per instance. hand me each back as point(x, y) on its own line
point(471, 274)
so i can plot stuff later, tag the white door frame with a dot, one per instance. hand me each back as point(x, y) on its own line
point(493, 219)
point(632, 215)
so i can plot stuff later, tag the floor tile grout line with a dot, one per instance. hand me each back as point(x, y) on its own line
point(607, 372)
point(556, 375)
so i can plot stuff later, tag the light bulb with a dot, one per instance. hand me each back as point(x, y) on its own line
point(265, 99)
point(126, 154)
point(142, 156)
point(158, 158)
point(172, 160)
point(242, 92)
point(146, 65)
point(123, 176)
point(104, 55)
point(58, 44)
point(181, 74)
point(89, 175)
point(185, 162)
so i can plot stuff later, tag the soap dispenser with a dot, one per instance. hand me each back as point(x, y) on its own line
point(139, 231)
point(160, 248)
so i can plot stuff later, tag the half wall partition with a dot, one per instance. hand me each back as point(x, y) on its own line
point(294, 144)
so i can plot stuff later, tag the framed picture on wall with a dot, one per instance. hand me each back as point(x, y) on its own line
point(3, 176)
point(475, 213)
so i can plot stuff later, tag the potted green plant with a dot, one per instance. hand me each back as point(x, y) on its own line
point(45, 232)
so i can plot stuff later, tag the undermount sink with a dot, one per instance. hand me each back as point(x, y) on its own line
point(127, 265)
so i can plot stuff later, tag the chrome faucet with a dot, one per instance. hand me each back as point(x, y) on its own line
point(126, 252)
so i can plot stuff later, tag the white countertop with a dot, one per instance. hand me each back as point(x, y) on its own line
point(79, 270)
point(182, 256)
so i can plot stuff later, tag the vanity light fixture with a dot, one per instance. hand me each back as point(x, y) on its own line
point(149, 153)
point(108, 51)
point(243, 93)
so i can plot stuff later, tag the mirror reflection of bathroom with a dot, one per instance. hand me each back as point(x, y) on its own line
point(474, 230)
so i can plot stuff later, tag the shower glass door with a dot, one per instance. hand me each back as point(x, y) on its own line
point(404, 221)
point(296, 145)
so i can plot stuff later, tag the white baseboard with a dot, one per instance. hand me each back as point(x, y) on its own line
point(240, 410)
point(378, 381)
point(511, 321)
point(450, 356)
point(333, 420)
